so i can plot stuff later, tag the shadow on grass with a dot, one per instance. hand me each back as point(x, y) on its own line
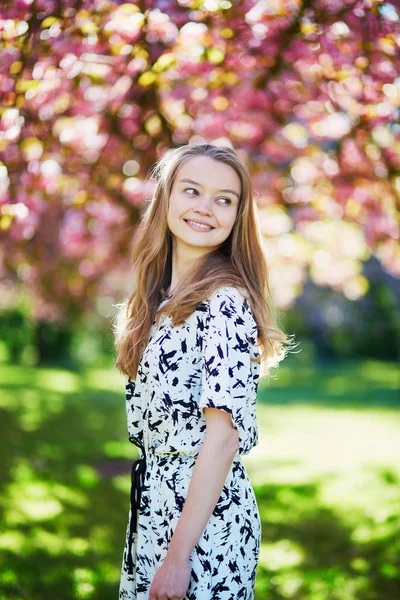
point(65, 476)
point(64, 499)
point(312, 552)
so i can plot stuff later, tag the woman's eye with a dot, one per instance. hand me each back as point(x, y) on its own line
point(187, 189)
point(194, 190)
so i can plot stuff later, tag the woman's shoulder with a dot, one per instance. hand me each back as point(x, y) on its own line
point(232, 302)
point(236, 297)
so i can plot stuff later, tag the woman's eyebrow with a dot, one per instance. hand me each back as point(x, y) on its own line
point(199, 184)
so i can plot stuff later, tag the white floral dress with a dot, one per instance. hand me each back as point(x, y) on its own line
point(205, 362)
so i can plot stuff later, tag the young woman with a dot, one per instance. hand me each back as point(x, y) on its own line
point(188, 341)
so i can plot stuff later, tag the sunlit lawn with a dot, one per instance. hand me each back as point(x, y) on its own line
point(326, 473)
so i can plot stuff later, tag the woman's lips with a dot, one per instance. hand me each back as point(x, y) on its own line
point(198, 227)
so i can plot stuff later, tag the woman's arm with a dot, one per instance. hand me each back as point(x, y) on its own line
point(210, 472)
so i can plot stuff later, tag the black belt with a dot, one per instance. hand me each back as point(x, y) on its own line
point(137, 479)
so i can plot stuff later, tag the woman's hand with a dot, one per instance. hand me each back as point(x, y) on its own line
point(171, 582)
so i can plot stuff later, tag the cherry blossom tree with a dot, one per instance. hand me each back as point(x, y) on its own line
point(93, 92)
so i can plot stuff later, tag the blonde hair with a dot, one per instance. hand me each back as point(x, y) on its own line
point(239, 262)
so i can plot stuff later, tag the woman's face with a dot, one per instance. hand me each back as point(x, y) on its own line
point(204, 191)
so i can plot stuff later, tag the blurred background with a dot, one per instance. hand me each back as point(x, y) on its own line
point(308, 93)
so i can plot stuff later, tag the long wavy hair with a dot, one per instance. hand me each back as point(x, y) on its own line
point(238, 262)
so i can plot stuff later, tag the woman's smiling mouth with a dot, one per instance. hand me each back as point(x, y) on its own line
point(198, 226)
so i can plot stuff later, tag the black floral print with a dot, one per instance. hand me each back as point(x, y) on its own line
point(205, 362)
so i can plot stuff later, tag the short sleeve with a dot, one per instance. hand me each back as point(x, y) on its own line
point(228, 381)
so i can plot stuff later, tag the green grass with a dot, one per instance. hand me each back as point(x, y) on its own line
point(326, 473)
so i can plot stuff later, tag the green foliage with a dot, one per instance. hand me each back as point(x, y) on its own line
point(325, 472)
point(329, 325)
point(16, 333)
point(76, 346)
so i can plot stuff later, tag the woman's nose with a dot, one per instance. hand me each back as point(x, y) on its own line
point(205, 204)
